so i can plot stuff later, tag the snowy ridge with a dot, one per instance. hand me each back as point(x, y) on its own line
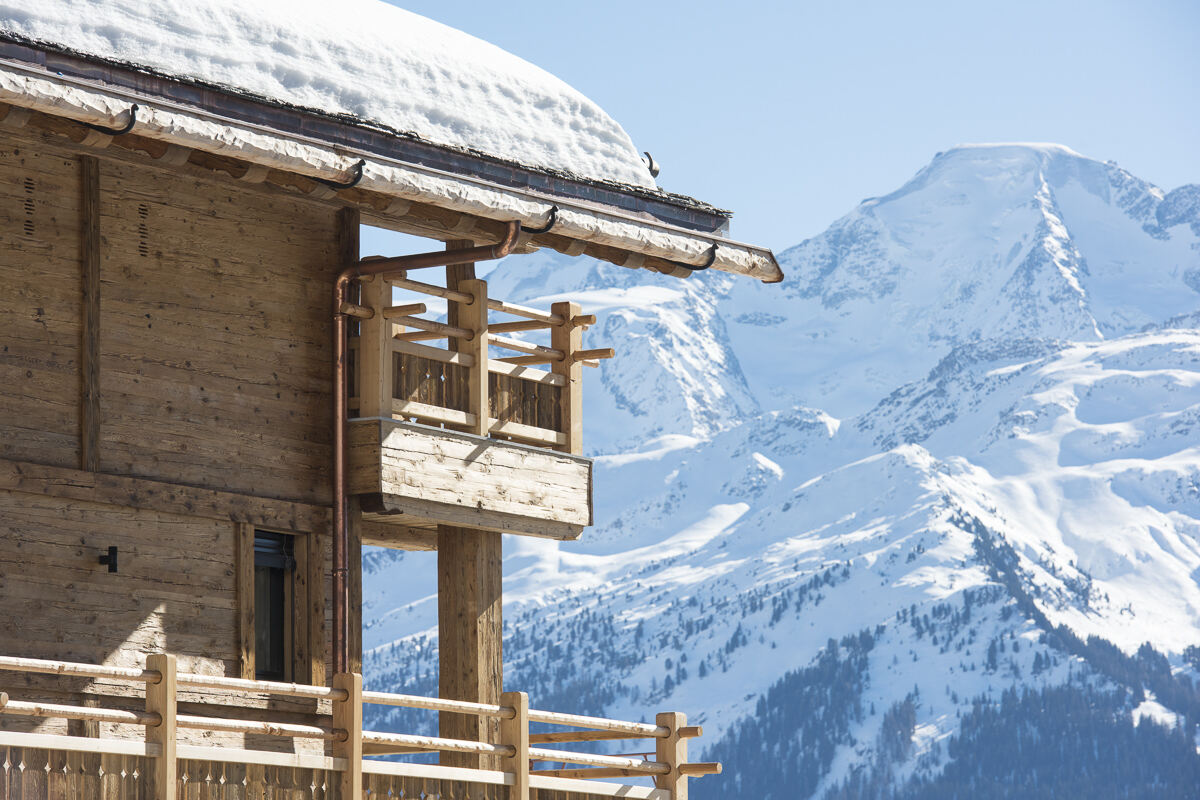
point(949, 480)
point(363, 58)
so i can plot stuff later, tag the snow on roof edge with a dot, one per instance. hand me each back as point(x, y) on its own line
point(655, 193)
point(368, 61)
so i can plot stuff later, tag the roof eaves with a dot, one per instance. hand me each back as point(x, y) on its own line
point(347, 130)
point(638, 234)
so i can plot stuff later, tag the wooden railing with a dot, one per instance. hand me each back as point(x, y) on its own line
point(516, 751)
point(460, 386)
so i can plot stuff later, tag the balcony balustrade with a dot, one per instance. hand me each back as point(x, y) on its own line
point(170, 758)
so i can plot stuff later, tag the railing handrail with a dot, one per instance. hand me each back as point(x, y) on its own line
point(197, 680)
point(348, 736)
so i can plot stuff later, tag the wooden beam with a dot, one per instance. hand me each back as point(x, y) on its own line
point(583, 773)
point(170, 498)
point(599, 352)
point(391, 312)
point(441, 330)
point(89, 352)
point(525, 373)
point(524, 311)
point(244, 589)
point(519, 325)
point(377, 533)
point(469, 637)
point(432, 353)
point(508, 343)
point(554, 737)
point(700, 768)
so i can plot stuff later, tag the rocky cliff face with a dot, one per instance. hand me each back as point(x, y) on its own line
point(933, 502)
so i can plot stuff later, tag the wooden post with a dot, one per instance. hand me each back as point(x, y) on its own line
point(374, 362)
point(244, 589)
point(672, 751)
point(469, 571)
point(161, 699)
point(89, 353)
point(301, 666)
point(568, 337)
point(354, 561)
point(317, 565)
point(348, 715)
point(515, 733)
point(456, 274)
point(469, 642)
point(475, 319)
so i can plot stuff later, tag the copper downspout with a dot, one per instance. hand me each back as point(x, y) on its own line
point(341, 533)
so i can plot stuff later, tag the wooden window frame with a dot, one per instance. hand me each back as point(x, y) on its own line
point(305, 595)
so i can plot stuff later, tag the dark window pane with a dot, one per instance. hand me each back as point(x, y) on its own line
point(272, 561)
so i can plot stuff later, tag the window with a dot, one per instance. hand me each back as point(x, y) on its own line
point(280, 605)
point(274, 563)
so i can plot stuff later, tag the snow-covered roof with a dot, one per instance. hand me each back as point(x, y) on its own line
point(363, 58)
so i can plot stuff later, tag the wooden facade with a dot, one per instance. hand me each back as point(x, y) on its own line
point(164, 386)
point(169, 408)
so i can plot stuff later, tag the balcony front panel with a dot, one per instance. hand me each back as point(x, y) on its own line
point(420, 476)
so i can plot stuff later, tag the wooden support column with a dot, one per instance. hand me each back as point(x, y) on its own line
point(515, 733)
point(348, 715)
point(672, 751)
point(469, 566)
point(568, 337)
point(469, 627)
point(374, 362)
point(161, 699)
point(89, 351)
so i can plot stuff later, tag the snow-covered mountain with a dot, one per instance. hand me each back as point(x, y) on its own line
point(892, 527)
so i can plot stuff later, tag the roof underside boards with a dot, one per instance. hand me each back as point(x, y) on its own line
point(65, 80)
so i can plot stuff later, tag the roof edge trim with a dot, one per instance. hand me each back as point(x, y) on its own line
point(65, 96)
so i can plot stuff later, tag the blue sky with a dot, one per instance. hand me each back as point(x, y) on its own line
point(791, 113)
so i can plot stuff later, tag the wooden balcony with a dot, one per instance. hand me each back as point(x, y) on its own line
point(155, 751)
point(462, 434)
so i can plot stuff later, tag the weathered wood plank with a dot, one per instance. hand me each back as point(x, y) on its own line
point(89, 357)
point(41, 305)
point(205, 283)
point(160, 496)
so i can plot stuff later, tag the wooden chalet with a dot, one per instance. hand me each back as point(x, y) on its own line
point(209, 401)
